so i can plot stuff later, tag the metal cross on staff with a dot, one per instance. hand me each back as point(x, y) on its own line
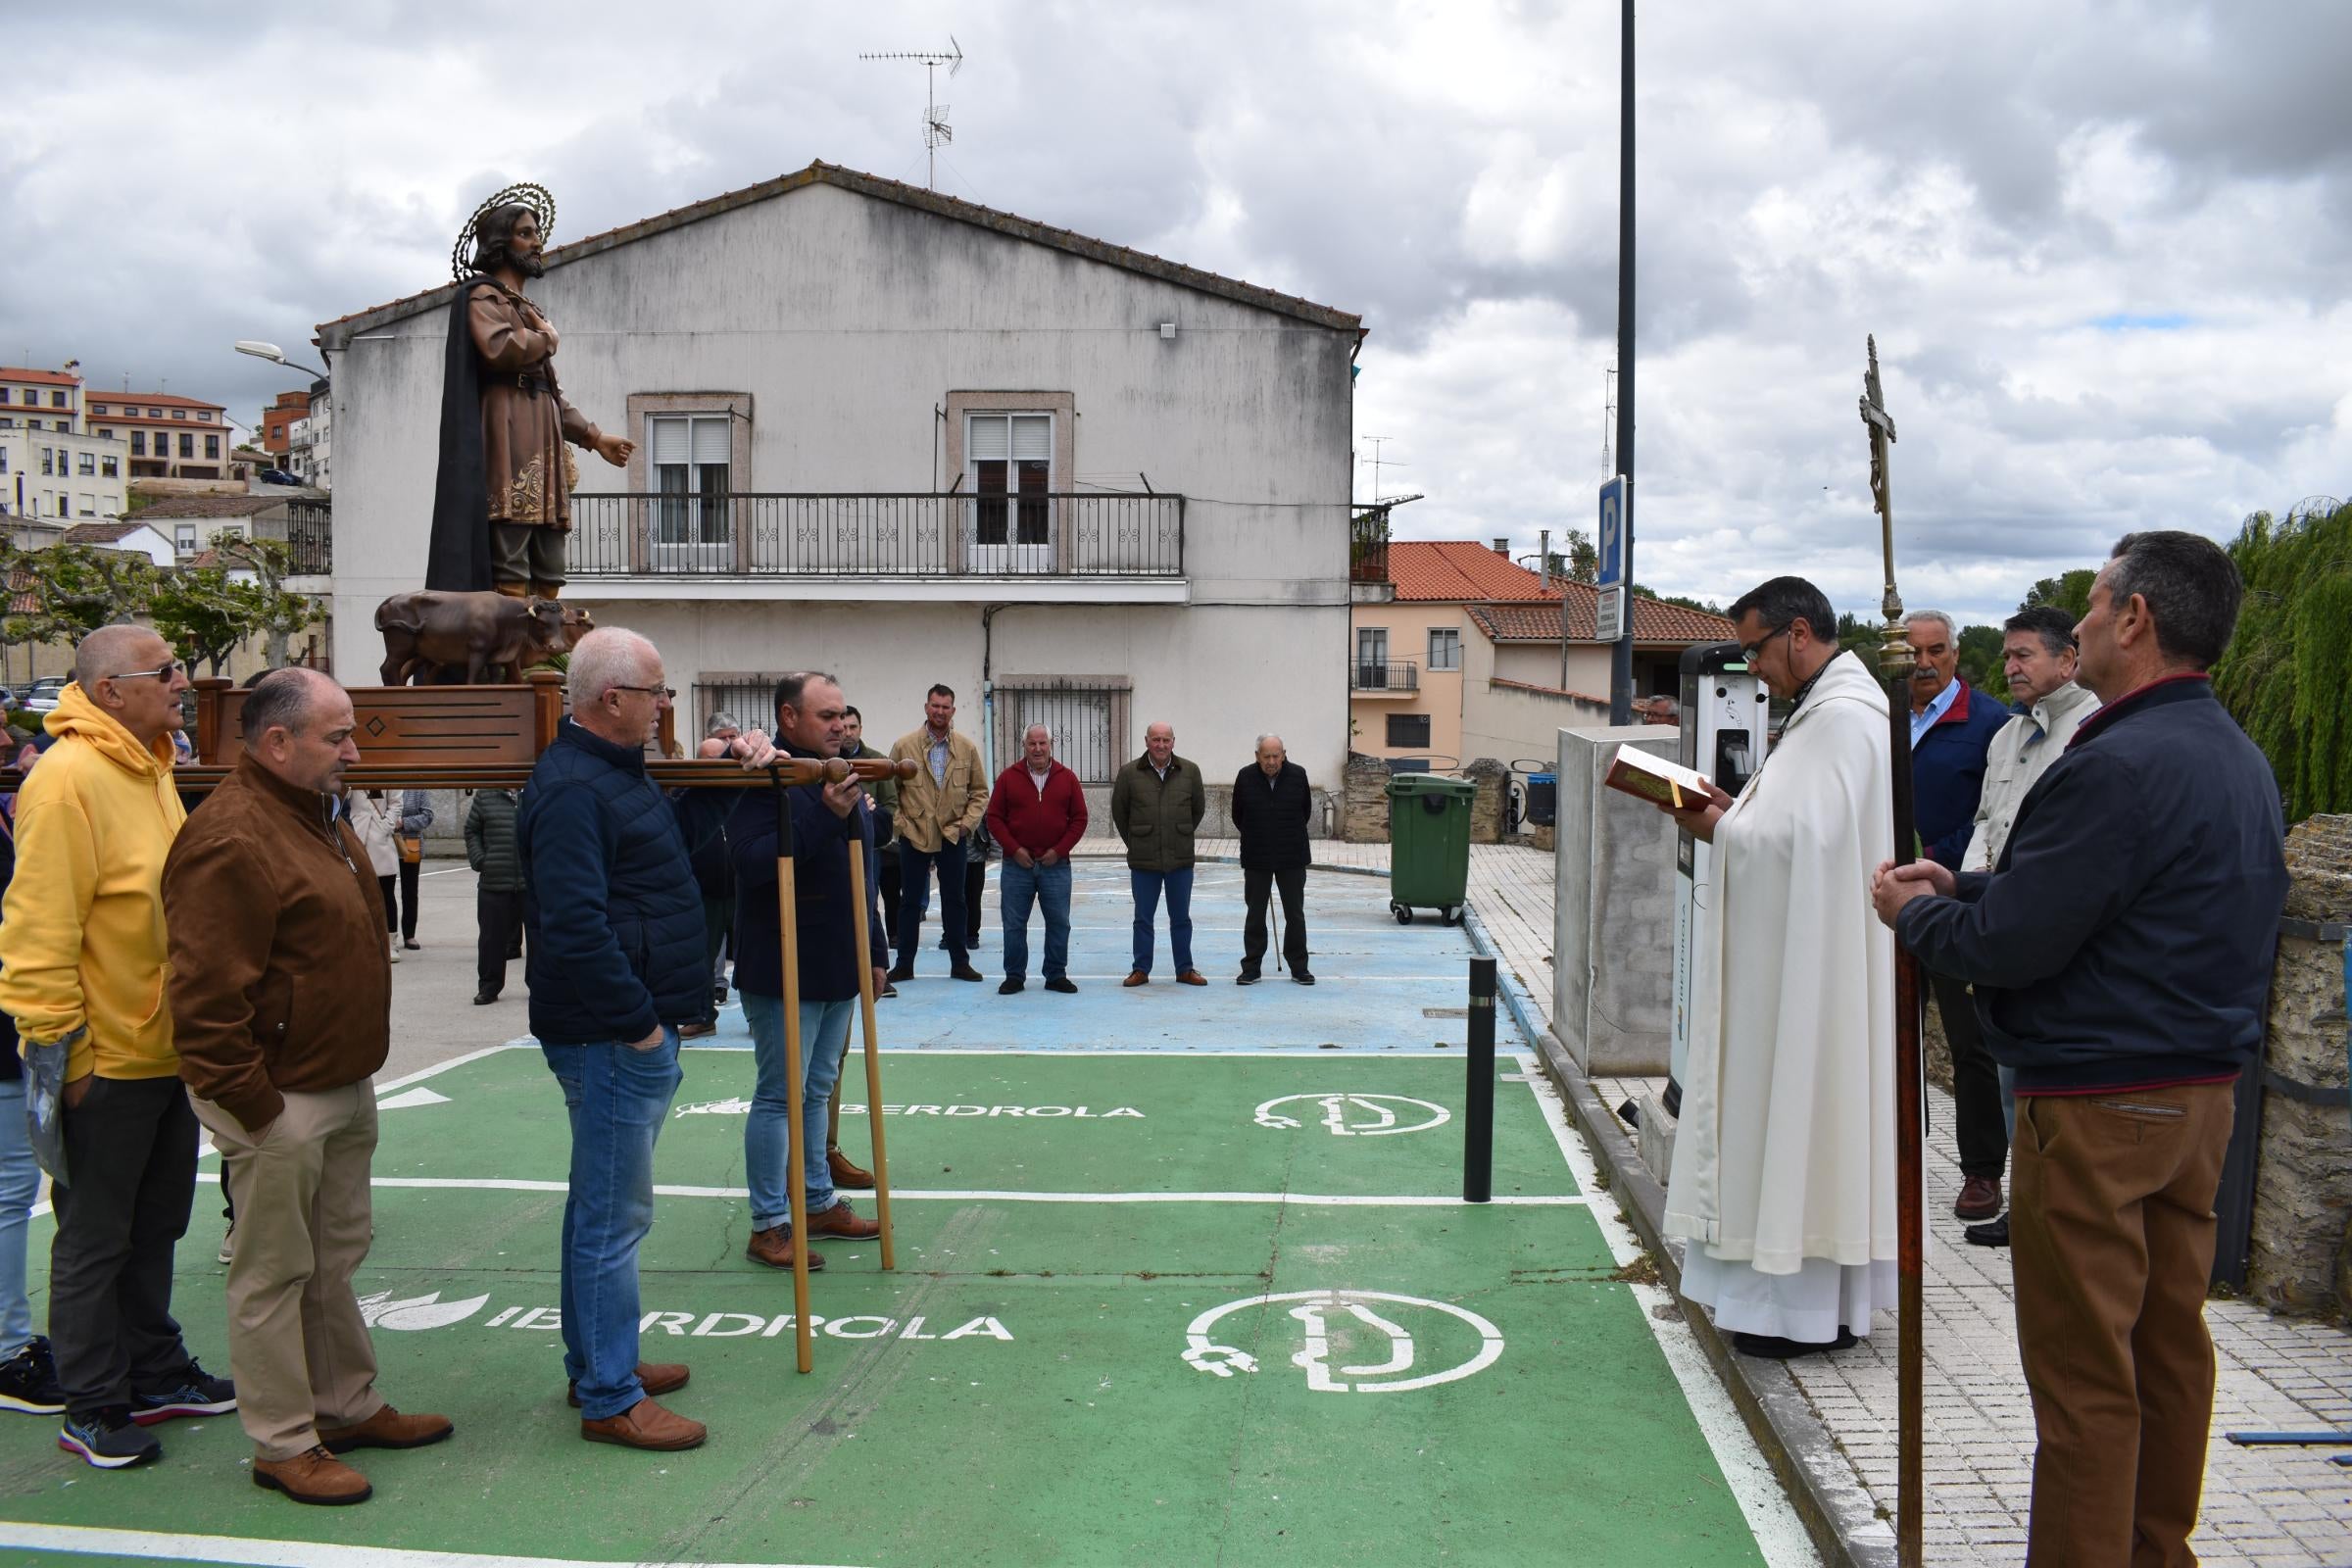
point(1895, 662)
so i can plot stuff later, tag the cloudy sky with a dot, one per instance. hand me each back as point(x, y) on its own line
point(2103, 247)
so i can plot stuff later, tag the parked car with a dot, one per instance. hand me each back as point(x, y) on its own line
point(277, 477)
point(42, 696)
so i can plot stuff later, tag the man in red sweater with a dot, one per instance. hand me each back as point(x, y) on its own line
point(1037, 813)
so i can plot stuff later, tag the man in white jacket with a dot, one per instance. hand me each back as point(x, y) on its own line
point(1783, 1183)
point(2038, 656)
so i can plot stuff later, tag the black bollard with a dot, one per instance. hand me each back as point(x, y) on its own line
point(1478, 1115)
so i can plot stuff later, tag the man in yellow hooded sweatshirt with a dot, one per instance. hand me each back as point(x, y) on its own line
point(82, 964)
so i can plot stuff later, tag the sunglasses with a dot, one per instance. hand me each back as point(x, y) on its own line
point(168, 668)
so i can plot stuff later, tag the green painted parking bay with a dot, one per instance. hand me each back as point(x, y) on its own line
point(1059, 1122)
point(1319, 1384)
point(1251, 1323)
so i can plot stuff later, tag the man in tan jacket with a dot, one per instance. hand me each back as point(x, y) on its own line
point(281, 1004)
point(938, 809)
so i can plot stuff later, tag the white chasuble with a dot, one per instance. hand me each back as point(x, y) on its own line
point(1784, 1177)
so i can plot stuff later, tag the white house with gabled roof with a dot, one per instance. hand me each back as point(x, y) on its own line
point(909, 439)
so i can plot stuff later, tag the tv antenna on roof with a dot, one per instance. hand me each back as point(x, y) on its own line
point(937, 132)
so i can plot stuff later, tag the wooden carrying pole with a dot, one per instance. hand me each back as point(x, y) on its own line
point(796, 1178)
point(1910, 1198)
point(873, 1046)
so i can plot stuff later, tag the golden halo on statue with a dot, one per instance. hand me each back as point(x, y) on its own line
point(537, 198)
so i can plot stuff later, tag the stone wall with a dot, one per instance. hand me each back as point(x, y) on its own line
point(1493, 781)
point(2302, 1248)
point(1366, 803)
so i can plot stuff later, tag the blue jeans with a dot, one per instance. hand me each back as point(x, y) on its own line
point(1147, 887)
point(1021, 885)
point(617, 1100)
point(20, 1185)
point(768, 1134)
point(914, 897)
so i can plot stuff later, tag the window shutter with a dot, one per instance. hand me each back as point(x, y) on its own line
point(989, 440)
point(670, 441)
point(1032, 438)
point(712, 442)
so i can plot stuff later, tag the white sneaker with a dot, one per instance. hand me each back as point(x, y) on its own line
point(229, 1243)
point(394, 948)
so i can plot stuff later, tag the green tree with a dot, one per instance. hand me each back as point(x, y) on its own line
point(1981, 661)
point(206, 613)
point(2289, 664)
point(2070, 592)
point(65, 592)
point(278, 615)
point(1578, 558)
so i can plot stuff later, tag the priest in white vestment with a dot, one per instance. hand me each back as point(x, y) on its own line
point(1784, 1178)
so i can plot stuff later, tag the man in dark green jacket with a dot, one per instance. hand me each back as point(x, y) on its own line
point(498, 895)
point(1157, 805)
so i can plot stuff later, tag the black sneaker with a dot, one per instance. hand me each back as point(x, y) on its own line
point(1247, 977)
point(903, 971)
point(28, 1381)
point(1010, 985)
point(1064, 984)
point(108, 1439)
point(197, 1393)
point(1302, 977)
point(964, 971)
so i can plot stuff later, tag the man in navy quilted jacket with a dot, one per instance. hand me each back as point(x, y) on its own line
point(1953, 727)
point(615, 964)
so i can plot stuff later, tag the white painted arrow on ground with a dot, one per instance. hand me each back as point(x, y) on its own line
point(418, 1095)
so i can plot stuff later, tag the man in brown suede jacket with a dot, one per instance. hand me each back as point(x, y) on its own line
point(282, 1000)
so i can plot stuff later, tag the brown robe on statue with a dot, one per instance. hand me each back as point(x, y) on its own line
point(525, 418)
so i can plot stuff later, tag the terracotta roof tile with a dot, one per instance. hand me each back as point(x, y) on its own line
point(1654, 621)
point(820, 173)
point(1463, 571)
point(98, 533)
point(217, 506)
point(19, 373)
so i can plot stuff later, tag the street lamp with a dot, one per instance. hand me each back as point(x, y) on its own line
point(276, 355)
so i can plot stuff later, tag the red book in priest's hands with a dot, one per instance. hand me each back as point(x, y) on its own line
point(1658, 781)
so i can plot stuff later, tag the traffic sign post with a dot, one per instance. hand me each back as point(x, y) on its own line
point(1615, 622)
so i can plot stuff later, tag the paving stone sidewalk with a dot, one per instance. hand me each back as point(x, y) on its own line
point(2263, 1508)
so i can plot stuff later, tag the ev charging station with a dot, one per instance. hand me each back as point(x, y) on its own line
point(1725, 716)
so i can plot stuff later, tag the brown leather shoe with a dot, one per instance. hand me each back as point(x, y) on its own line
point(1980, 1199)
point(1192, 977)
point(658, 1377)
point(774, 1248)
point(1137, 978)
point(386, 1429)
point(848, 1174)
point(645, 1425)
point(313, 1476)
point(696, 1029)
point(841, 1222)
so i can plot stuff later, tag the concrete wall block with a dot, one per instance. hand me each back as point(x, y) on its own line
point(1613, 915)
point(1494, 780)
point(1366, 807)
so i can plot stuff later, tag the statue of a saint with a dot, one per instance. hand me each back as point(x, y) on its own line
point(501, 503)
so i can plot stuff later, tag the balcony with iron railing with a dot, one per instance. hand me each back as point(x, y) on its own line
point(997, 537)
point(1400, 679)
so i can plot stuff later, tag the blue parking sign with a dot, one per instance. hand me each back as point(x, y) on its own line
point(1616, 520)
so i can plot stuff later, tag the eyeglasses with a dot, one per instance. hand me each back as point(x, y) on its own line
point(1749, 651)
point(168, 668)
point(668, 693)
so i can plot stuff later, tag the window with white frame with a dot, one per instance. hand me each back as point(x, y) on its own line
point(88, 465)
point(1445, 647)
point(183, 538)
point(690, 454)
point(110, 467)
point(1009, 458)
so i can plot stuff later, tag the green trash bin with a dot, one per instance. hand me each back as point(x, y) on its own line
point(1429, 845)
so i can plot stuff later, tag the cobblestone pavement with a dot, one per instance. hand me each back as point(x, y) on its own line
point(2271, 1507)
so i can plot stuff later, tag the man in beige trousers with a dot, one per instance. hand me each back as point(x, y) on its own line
point(282, 1002)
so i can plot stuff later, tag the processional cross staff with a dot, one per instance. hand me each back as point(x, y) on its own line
point(1895, 662)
